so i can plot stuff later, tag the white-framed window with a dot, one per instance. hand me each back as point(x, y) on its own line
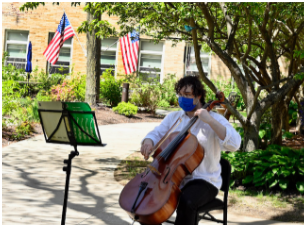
point(190, 61)
point(16, 45)
point(109, 47)
point(64, 59)
point(150, 59)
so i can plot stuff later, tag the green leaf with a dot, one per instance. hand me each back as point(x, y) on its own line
point(232, 182)
point(287, 135)
point(259, 183)
point(269, 175)
point(285, 171)
point(300, 186)
point(301, 168)
point(275, 170)
point(258, 173)
point(283, 183)
point(248, 179)
point(273, 183)
point(262, 133)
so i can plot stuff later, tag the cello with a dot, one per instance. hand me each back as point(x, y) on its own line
point(152, 196)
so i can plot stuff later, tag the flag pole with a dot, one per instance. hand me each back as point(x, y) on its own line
point(76, 36)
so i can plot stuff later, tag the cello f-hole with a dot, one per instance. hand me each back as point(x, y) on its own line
point(164, 181)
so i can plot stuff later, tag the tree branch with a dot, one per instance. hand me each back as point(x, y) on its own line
point(266, 16)
point(198, 58)
point(249, 36)
point(275, 96)
point(228, 20)
point(284, 25)
point(258, 92)
point(210, 21)
point(229, 44)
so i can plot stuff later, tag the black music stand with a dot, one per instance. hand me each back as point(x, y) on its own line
point(69, 123)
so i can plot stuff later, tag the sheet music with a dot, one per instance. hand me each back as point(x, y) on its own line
point(51, 119)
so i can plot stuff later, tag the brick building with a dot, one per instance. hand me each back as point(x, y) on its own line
point(39, 25)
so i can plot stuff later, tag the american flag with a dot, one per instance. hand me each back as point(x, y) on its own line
point(63, 32)
point(129, 47)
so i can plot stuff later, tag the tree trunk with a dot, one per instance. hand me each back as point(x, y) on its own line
point(251, 130)
point(277, 114)
point(93, 65)
point(280, 116)
point(285, 118)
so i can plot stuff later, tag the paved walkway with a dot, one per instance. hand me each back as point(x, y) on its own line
point(33, 181)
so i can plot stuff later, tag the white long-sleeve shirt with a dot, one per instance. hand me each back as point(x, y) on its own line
point(210, 168)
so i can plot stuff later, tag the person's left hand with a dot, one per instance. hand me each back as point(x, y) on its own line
point(203, 115)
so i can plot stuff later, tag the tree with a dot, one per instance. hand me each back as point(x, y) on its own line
point(93, 43)
point(94, 34)
point(255, 35)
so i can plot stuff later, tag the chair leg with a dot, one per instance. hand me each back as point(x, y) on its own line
point(225, 216)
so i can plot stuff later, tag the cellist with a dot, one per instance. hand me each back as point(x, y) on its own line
point(213, 132)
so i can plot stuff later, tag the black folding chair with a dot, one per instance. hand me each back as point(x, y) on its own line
point(217, 204)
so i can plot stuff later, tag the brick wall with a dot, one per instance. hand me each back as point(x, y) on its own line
point(39, 22)
point(218, 69)
point(173, 59)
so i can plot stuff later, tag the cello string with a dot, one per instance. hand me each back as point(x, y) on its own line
point(170, 132)
point(179, 136)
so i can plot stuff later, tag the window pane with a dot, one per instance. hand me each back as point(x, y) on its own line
point(105, 43)
point(18, 36)
point(61, 64)
point(59, 67)
point(149, 76)
point(150, 46)
point(108, 57)
point(16, 63)
point(150, 61)
point(104, 67)
point(64, 54)
point(67, 42)
point(54, 69)
point(16, 50)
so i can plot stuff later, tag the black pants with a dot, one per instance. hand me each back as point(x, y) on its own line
point(194, 194)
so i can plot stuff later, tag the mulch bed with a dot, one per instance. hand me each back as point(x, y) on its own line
point(103, 114)
point(106, 116)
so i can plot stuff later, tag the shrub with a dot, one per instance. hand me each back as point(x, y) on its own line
point(71, 89)
point(168, 90)
point(146, 91)
point(43, 96)
point(23, 129)
point(62, 92)
point(293, 112)
point(9, 72)
point(127, 109)
point(110, 89)
point(275, 166)
point(10, 94)
point(27, 111)
point(163, 103)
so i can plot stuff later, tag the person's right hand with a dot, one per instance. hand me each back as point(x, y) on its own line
point(146, 148)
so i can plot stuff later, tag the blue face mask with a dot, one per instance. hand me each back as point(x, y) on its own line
point(186, 104)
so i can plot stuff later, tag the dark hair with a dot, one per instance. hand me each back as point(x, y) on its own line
point(195, 83)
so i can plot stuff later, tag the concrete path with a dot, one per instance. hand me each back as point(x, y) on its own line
point(33, 181)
